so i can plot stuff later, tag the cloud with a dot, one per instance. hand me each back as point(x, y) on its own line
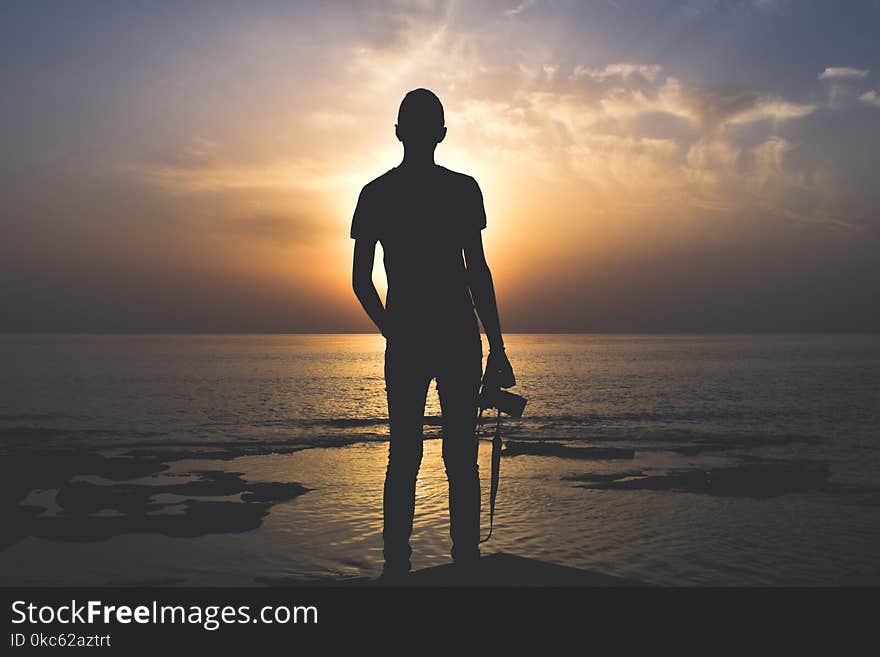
point(273, 229)
point(843, 73)
point(708, 110)
point(402, 25)
point(623, 130)
point(615, 140)
point(773, 109)
point(520, 8)
point(628, 135)
point(647, 71)
point(871, 98)
point(767, 6)
point(205, 167)
point(226, 176)
point(714, 109)
point(696, 9)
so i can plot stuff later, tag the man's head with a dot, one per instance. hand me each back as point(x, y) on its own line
point(420, 120)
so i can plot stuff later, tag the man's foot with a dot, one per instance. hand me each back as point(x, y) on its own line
point(467, 571)
point(394, 576)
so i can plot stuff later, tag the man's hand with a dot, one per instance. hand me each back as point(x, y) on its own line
point(499, 371)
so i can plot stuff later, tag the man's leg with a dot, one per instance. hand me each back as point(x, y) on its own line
point(458, 384)
point(406, 383)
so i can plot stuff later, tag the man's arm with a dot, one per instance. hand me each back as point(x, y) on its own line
point(362, 282)
point(498, 369)
point(483, 290)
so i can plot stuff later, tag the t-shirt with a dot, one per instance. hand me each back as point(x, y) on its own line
point(422, 218)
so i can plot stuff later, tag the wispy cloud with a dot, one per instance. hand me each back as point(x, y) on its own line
point(593, 125)
point(520, 8)
point(647, 71)
point(766, 5)
point(844, 73)
point(230, 175)
point(709, 110)
point(871, 98)
point(773, 108)
point(272, 229)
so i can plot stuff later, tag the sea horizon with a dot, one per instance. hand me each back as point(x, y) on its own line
point(841, 333)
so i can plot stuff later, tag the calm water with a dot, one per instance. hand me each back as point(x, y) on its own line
point(685, 403)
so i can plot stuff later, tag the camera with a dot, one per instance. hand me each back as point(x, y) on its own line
point(506, 402)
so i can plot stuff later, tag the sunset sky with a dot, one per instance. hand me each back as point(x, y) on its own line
point(646, 166)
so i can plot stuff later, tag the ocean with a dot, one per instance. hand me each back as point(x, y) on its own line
point(671, 459)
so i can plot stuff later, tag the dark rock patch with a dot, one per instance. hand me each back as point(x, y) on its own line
point(137, 510)
point(198, 519)
point(21, 472)
point(696, 444)
point(754, 479)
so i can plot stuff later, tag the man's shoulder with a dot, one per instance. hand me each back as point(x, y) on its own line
point(380, 182)
point(459, 178)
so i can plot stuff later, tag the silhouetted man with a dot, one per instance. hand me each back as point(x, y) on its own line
point(428, 220)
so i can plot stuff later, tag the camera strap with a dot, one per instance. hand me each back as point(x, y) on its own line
point(496, 468)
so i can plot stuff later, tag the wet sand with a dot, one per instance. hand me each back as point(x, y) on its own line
point(508, 570)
